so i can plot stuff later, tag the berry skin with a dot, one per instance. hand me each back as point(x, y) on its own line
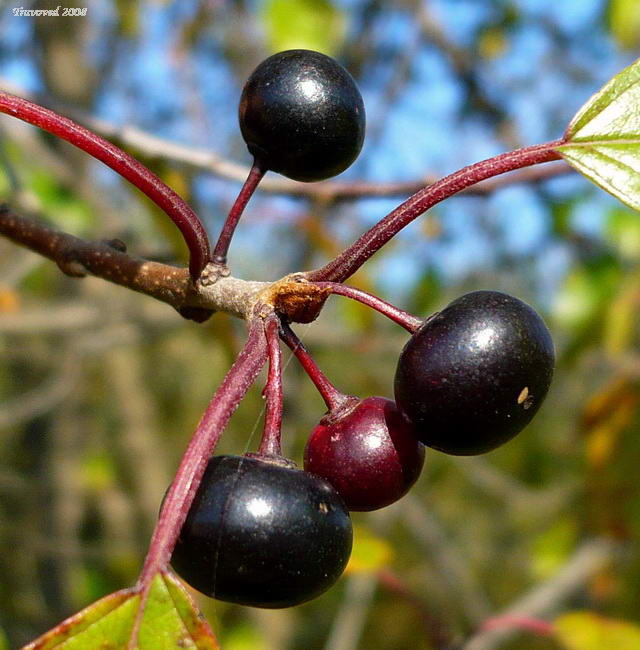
point(369, 453)
point(302, 115)
point(474, 374)
point(262, 533)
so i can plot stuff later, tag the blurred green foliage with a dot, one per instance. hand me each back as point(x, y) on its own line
point(624, 20)
point(306, 24)
point(585, 631)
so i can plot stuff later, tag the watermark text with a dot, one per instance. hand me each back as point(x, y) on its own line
point(58, 11)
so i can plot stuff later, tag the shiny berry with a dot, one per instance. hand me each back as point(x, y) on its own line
point(262, 533)
point(368, 452)
point(302, 115)
point(475, 373)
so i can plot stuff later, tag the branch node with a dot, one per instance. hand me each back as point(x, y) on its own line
point(70, 265)
point(116, 244)
point(295, 298)
point(212, 272)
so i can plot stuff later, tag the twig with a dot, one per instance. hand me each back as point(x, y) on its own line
point(349, 622)
point(353, 257)
point(538, 504)
point(271, 436)
point(453, 570)
point(220, 250)
point(403, 318)
point(106, 260)
point(61, 318)
point(153, 146)
point(68, 318)
point(75, 177)
point(332, 397)
point(194, 461)
point(546, 599)
point(128, 167)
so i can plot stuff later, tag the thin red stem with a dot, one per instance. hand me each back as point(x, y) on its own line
point(352, 258)
point(221, 249)
point(187, 479)
point(270, 444)
point(534, 625)
point(403, 318)
point(128, 167)
point(332, 397)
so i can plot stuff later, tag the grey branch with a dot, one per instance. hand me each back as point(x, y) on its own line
point(155, 147)
point(106, 260)
point(547, 599)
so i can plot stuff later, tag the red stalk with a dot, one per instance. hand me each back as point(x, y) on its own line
point(128, 167)
point(270, 444)
point(353, 257)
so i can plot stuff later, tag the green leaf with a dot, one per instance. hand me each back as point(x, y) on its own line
point(69, 212)
point(588, 631)
point(551, 549)
point(621, 317)
point(308, 24)
point(427, 293)
point(128, 18)
point(622, 230)
point(580, 303)
point(170, 620)
point(369, 554)
point(244, 636)
point(603, 139)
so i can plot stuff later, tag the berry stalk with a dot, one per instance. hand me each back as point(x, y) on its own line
point(128, 167)
point(187, 479)
point(353, 257)
point(270, 444)
point(221, 249)
point(403, 318)
point(332, 397)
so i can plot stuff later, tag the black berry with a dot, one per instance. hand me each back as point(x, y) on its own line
point(263, 533)
point(475, 373)
point(302, 115)
point(369, 453)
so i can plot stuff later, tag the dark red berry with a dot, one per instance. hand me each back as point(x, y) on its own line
point(263, 533)
point(302, 115)
point(369, 453)
point(475, 373)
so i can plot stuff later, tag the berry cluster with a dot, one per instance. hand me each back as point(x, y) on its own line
point(254, 529)
point(261, 532)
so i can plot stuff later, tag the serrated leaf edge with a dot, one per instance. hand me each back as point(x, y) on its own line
point(170, 581)
point(119, 598)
